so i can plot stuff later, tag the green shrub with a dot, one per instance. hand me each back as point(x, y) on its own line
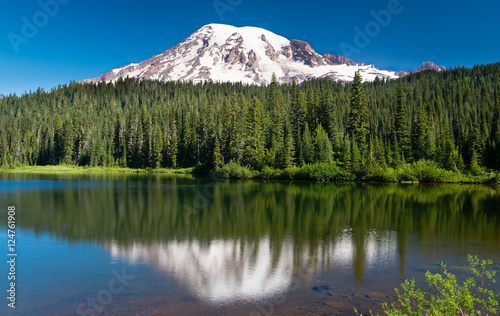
point(382, 175)
point(323, 172)
point(290, 173)
point(447, 297)
point(405, 173)
point(487, 178)
point(270, 173)
point(428, 171)
point(202, 169)
point(233, 170)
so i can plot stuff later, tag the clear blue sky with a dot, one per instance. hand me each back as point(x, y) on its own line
point(86, 38)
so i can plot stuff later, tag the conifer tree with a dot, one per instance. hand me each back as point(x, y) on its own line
point(237, 133)
point(378, 152)
point(474, 163)
point(347, 156)
point(225, 123)
point(254, 147)
point(402, 125)
point(118, 138)
point(299, 152)
point(356, 160)
point(422, 134)
point(494, 139)
point(358, 115)
point(186, 144)
point(158, 149)
point(147, 136)
point(322, 146)
point(396, 152)
point(174, 149)
point(216, 156)
point(44, 157)
point(307, 145)
point(312, 109)
point(287, 152)
point(277, 116)
point(297, 115)
point(58, 141)
point(123, 159)
point(475, 149)
point(67, 141)
point(328, 115)
point(138, 150)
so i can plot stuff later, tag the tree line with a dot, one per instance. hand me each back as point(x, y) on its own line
point(449, 117)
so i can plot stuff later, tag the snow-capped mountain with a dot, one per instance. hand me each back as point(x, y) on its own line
point(250, 55)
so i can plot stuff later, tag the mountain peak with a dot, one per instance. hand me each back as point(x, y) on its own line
point(248, 54)
point(426, 65)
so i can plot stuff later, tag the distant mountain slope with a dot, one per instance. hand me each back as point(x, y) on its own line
point(428, 65)
point(246, 54)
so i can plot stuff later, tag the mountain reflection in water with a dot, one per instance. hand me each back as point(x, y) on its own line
point(225, 271)
point(248, 241)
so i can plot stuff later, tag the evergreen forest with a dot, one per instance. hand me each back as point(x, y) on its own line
point(429, 126)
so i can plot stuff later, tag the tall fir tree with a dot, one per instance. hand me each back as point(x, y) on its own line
point(356, 159)
point(307, 145)
point(421, 139)
point(254, 146)
point(358, 114)
point(286, 155)
point(328, 117)
point(493, 156)
point(277, 114)
point(297, 114)
point(58, 141)
point(158, 149)
point(402, 125)
point(118, 138)
point(322, 146)
point(216, 156)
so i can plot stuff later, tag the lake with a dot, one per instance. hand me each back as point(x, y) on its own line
point(176, 245)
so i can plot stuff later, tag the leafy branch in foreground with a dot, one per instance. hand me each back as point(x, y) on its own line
point(446, 296)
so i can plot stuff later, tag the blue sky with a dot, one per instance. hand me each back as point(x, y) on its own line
point(82, 39)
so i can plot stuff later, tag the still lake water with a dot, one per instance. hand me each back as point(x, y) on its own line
point(174, 245)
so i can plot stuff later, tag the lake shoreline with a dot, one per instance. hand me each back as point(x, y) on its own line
point(295, 174)
point(75, 170)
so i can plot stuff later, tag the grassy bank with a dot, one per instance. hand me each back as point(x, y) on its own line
point(421, 171)
point(68, 169)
